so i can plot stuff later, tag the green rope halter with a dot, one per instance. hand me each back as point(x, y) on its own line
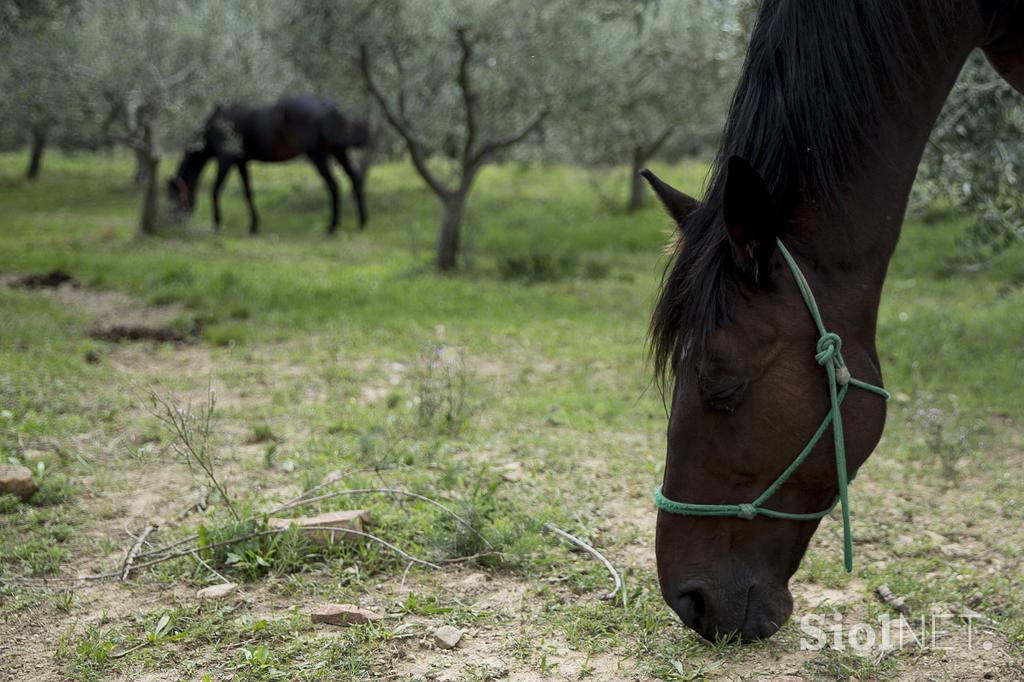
point(827, 355)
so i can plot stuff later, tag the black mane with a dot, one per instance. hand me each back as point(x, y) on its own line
point(818, 75)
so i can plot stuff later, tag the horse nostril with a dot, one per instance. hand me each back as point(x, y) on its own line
point(691, 605)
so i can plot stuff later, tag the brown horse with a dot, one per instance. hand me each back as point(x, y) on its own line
point(825, 132)
point(303, 125)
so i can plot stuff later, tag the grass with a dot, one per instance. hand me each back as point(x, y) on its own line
point(515, 391)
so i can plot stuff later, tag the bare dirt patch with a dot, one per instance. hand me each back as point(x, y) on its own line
point(113, 315)
point(49, 280)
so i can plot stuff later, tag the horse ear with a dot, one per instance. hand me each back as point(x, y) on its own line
point(678, 205)
point(751, 219)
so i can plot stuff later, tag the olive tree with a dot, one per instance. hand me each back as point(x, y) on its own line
point(461, 82)
point(41, 98)
point(975, 159)
point(660, 73)
point(159, 68)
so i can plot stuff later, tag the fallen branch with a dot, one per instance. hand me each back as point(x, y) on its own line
point(472, 557)
point(886, 596)
point(45, 582)
point(278, 531)
point(374, 538)
point(211, 569)
point(167, 548)
point(122, 654)
point(386, 491)
point(616, 578)
point(302, 500)
point(129, 558)
point(320, 486)
point(223, 543)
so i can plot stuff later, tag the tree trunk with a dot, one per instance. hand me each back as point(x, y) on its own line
point(637, 187)
point(35, 160)
point(141, 168)
point(451, 227)
point(146, 152)
point(150, 194)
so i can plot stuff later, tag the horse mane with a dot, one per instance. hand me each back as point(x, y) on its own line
point(818, 76)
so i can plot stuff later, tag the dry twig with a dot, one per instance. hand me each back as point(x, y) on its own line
point(616, 578)
point(386, 491)
point(886, 596)
point(192, 433)
point(129, 558)
point(223, 543)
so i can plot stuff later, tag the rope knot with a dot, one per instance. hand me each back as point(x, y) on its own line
point(747, 511)
point(828, 348)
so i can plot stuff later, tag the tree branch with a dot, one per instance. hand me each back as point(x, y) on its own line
point(616, 578)
point(396, 59)
point(468, 96)
point(133, 553)
point(419, 159)
point(652, 149)
point(495, 146)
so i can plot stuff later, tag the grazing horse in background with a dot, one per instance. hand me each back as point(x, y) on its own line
point(294, 126)
point(823, 139)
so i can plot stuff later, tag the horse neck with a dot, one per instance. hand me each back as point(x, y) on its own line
point(192, 165)
point(856, 234)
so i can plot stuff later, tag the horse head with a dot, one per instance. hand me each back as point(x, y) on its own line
point(751, 466)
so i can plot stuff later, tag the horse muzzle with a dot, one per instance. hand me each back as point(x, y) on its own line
point(748, 613)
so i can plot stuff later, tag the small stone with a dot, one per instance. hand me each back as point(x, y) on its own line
point(217, 591)
point(956, 551)
point(447, 637)
point(495, 667)
point(17, 480)
point(512, 472)
point(474, 579)
point(349, 518)
point(343, 614)
point(418, 672)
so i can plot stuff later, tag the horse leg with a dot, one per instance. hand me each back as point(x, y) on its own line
point(222, 173)
point(322, 167)
point(254, 219)
point(356, 176)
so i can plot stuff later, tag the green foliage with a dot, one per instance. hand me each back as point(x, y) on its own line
point(650, 77)
point(172, 61)
point(85, 657)
point(442, 388)
point(246, 550)
point(976, 161)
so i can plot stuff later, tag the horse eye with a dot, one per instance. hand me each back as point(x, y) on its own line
point(724, 394)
